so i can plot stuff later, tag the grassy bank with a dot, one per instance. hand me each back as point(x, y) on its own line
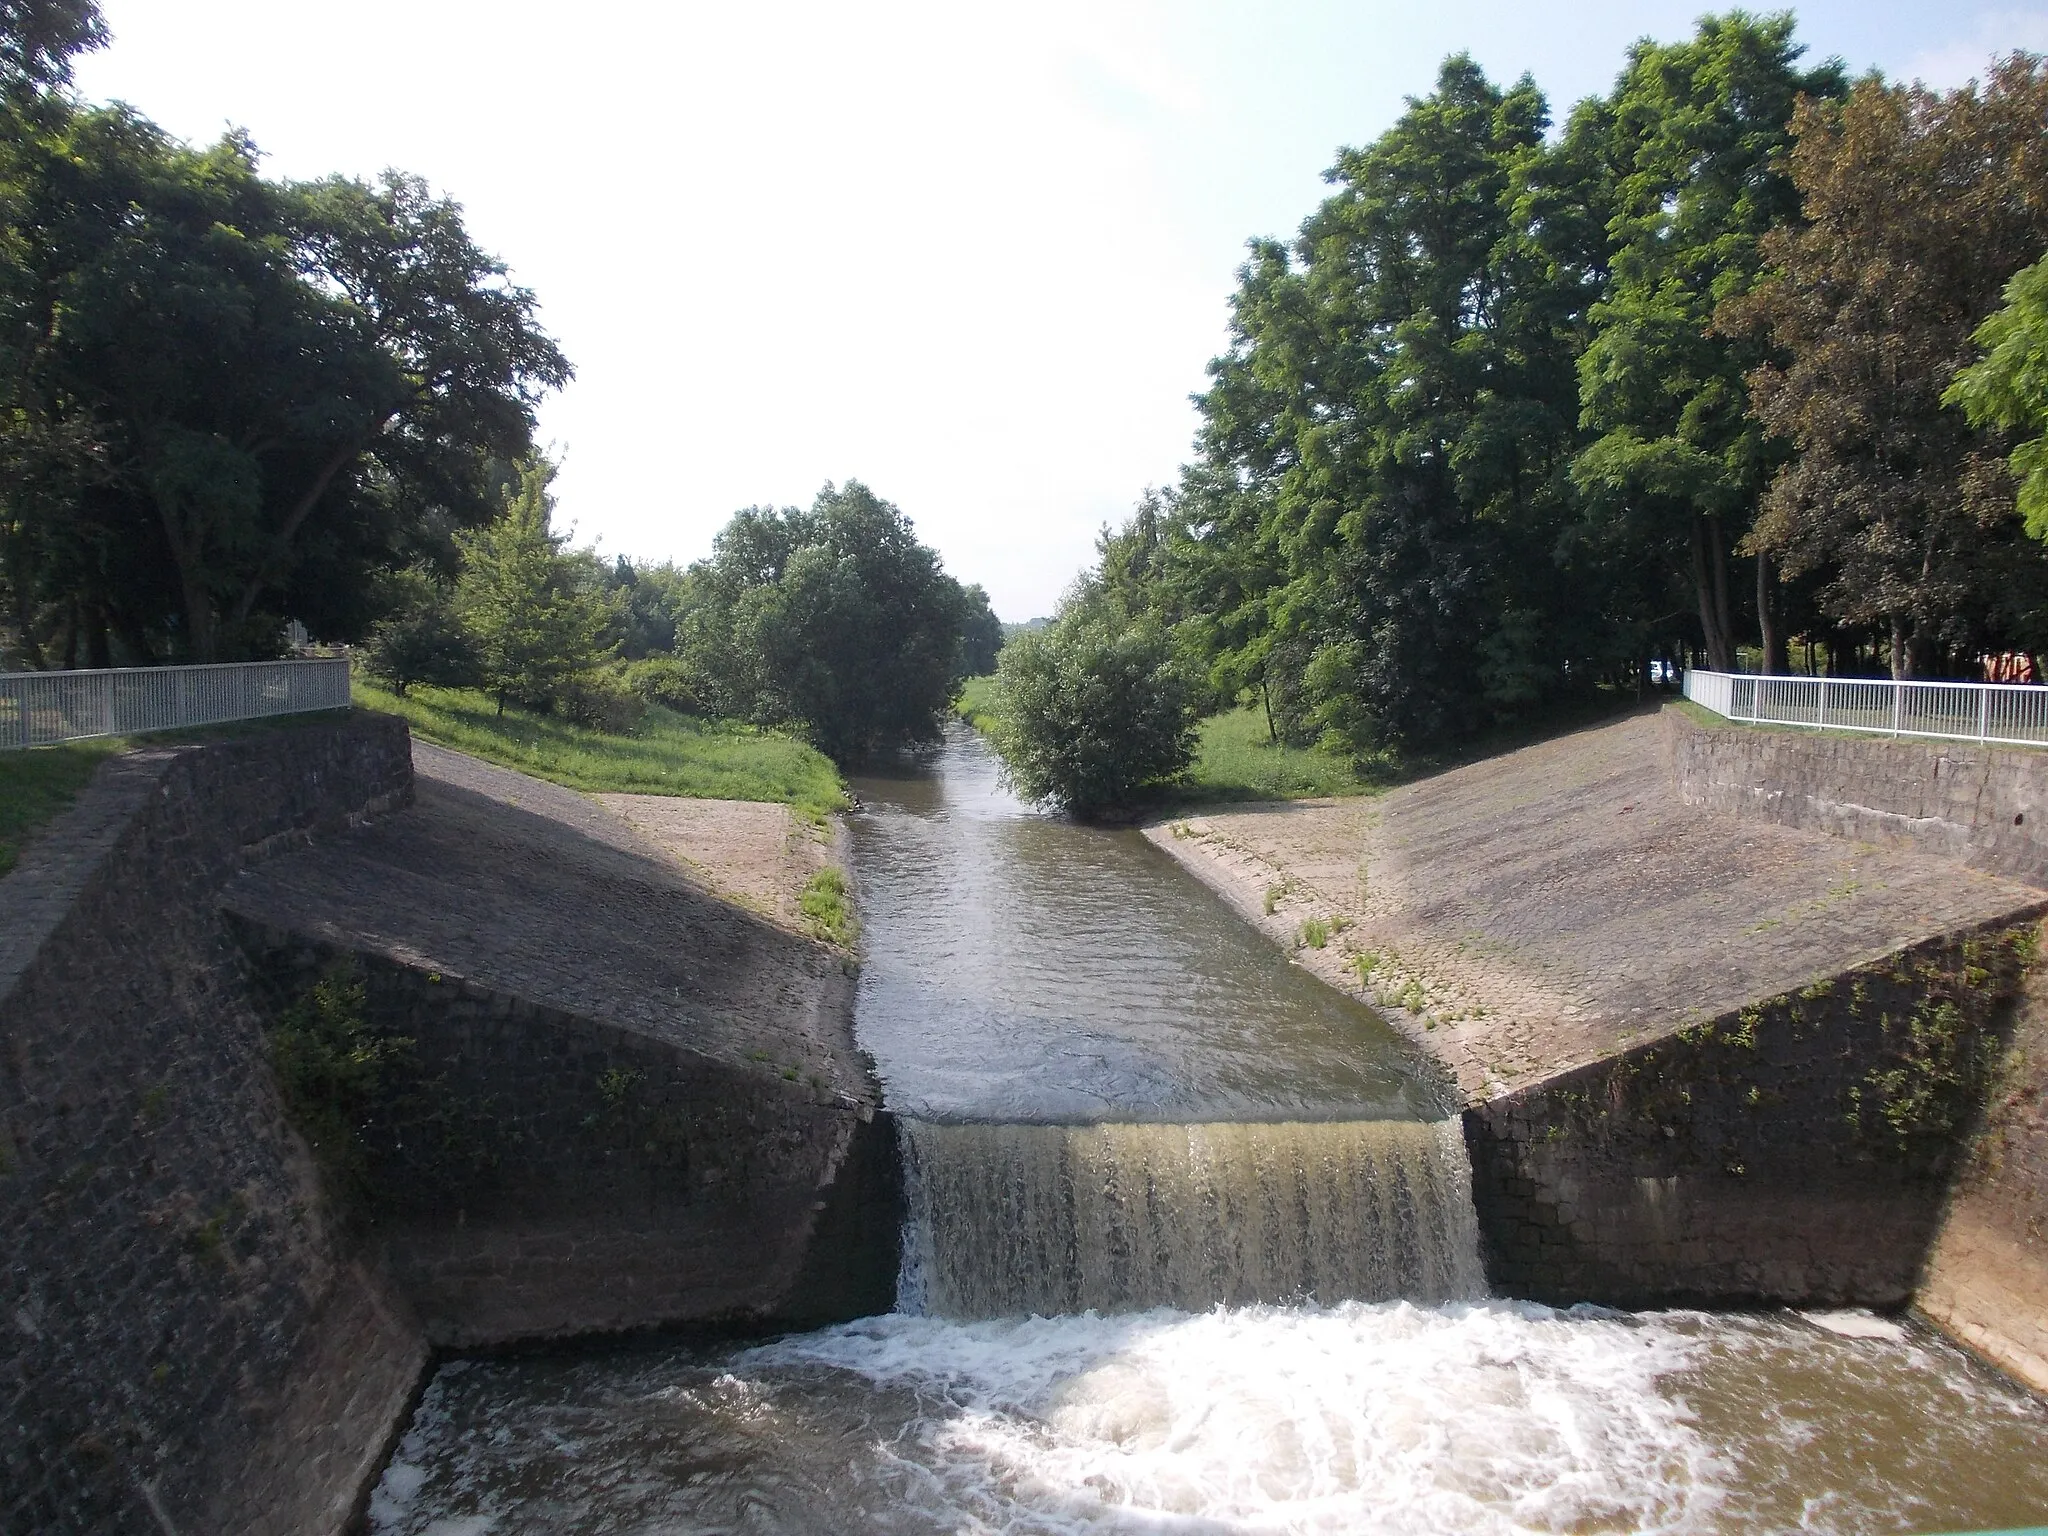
point(666, 754)
point(1235, 759)
point(37, 784)
point(973, 703)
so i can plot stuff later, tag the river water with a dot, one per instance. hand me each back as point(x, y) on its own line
point(1190, 1250)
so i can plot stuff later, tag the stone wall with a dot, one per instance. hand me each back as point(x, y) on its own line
point(531, 1173)
point(172, 1281)
point(1982, 806)
point(1796, 1152)
point(1986, 1282)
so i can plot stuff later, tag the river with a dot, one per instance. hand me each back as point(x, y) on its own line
point(1190, 1250)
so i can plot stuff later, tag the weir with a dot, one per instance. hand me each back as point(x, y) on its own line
point(1008, 1220)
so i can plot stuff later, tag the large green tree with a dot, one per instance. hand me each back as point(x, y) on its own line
point(1695, 137)
point(834, 619)
point(1918, 207)
point(231, 400)
point(39, 39)
point(2006, 390)
point(1375, 529)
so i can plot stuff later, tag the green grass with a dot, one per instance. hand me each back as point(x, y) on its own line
point(666, 754)
point(38, 783)
point(829, 905)
point(973, 703)
point(1235, 760)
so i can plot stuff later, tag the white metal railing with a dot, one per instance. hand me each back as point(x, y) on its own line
point(40, 708)
point(2007, 714)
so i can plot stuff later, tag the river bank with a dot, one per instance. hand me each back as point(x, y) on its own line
point(1532, 913)
point(1681, 1034)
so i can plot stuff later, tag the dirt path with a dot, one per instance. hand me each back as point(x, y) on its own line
point(757, 853)
point(1533, 912)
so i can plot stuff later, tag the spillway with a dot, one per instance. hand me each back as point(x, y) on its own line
point(1012, 1220)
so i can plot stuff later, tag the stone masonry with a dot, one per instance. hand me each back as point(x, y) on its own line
point(1985, 807)
point(630, 1104)
point(172, 1278)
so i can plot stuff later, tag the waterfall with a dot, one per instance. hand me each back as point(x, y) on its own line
point(1005, 1220)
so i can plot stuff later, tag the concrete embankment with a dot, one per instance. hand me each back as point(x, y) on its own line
point(1703, 1056)
point(630, 1102)
point(176, 1292)
point(606, 1098)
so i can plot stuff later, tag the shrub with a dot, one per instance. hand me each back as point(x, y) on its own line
point(666, 681)
point(421, 640)
point(1092, 710)
point(599, 701)
point(333, 1069)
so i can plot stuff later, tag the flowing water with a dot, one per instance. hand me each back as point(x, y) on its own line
point(1190, 1249)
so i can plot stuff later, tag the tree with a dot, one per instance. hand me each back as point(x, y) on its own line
point(1696, 136)
point(835, 620)
point(981, 633)
point(535, 630)
point(2006, 390)
point(1093, 709)
point(421, 638)
point(1919, 209)
point(39, 38)
point(1380, 505)
point(229, 399)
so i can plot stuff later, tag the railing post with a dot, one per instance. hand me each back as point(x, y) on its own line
point(1898, 704)
point(1983, 714)
point(1822, 722)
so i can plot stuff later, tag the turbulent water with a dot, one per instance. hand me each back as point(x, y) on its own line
point(1467, 1418)
point(1206, 1174)
point(1009, 1220)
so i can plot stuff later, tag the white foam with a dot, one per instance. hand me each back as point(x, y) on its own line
point(1483, 1417)
point(1858, 1324)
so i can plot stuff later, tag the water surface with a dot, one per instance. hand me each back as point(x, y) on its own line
point(1018, 966)
point(1463, 1419)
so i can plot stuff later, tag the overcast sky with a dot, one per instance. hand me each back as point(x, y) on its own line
point(975, 255)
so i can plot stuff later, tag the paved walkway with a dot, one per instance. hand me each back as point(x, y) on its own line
point(1533, 912)
point(537, 891)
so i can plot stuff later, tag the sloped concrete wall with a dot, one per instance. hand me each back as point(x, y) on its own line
point(174, 1291)
point(537, 1174)
point(1796, 1152)
point(1986, 807)
point(1986, 1283)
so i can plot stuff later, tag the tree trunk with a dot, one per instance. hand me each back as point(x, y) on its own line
point(1710, 582)
point(1266, 695)
point(281, 544)
point(1902, 664)
point(1777, 658)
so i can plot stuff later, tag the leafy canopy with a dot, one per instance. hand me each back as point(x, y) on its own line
point(835, 620)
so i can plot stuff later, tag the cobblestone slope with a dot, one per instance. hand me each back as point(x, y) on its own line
point(534, 891)
point(1537, 911)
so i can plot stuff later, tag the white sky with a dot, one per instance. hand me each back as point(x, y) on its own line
point(976, 256)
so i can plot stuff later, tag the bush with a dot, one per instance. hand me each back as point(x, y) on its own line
point(668, 682)
point(420, 639)
point(599, 701)
point(1092, 710)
